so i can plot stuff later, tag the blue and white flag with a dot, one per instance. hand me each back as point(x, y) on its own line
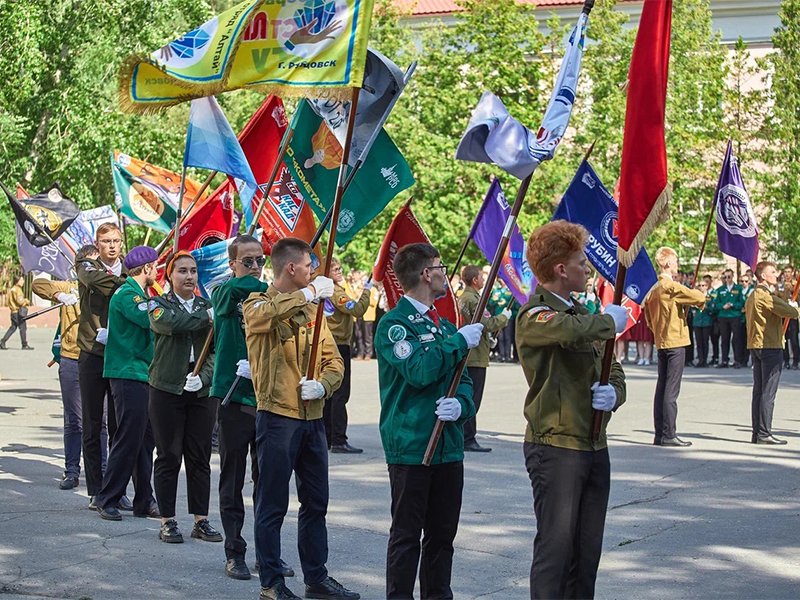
point(212, 144)
point(494, 136)
point(737, 230)
point(212, 266)
point(588, 203)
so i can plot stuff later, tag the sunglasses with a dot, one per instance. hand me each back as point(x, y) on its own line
point(251, 262)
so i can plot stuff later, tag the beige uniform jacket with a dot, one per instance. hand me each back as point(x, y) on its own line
point(765, 312)
point(279, 328)
point(345, 312)
point(467, 303)
point(16, 299)
point(70, 315)
point(666, 310)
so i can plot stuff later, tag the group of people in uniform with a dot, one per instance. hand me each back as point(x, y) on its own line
point(149, 372)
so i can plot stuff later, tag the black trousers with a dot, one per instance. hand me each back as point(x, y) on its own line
point(792, 342)
point(364, 338)
point(237, 439)
point(570, 498)
point(132, 451)
point(478, 376)
point(426, 502)
point(665, 403)
point(715, 340)
point(94, 389)
point(182, 428)
point(285, 445)
point(17, 323)
point(335, 410)
point(767, 364)
point(730, 330)
point(505, 339)
point(701, 339)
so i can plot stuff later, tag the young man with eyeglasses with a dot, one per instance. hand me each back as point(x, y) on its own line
point(98, 279)
point(237, 420)
point(729, 303)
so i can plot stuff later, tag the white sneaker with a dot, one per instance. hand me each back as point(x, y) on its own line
point(646, 362)
point(640, 362)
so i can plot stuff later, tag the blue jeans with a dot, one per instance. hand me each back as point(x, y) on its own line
point(284, 445)
point(71, 398)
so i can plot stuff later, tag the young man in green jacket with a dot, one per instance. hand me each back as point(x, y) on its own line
point(730, 302)
point(417, 355)
point(129, 351)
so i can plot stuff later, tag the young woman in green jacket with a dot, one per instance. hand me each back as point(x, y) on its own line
point(181, 413)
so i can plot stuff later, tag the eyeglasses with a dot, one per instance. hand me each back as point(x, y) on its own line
point(252, 261)
point(442, 267)
point(111, 242)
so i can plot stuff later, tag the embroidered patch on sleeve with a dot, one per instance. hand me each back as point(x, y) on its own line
point(142, 306)
point(397, 333)
point(545, 316)
point(402, 350)
point(158, 313)
point(537, 309)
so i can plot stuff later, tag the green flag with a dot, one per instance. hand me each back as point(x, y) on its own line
point(313, 158)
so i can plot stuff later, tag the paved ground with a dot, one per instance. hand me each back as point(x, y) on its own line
point(718, 520)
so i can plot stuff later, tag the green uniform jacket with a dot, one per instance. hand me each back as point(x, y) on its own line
point(561, 363)
point(130, 343)
point(229, 341)
point(95, 286)
point(703, 317)
point(467, 303)
point(746, 291)
point(735, 297)
point(416, 362)
point(344, 312)
point(177, 332)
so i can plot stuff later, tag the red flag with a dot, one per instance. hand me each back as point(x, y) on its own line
point(404, 230)
point(644, 189)
point(605, 291)
point(286, 213)
point(210, 221)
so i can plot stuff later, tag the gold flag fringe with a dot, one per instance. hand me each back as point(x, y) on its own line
point(658, 214)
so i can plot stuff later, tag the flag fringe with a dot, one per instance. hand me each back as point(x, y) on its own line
point(658, 214)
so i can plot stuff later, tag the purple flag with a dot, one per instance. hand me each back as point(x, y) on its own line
point(486, 233)
point(737, 231)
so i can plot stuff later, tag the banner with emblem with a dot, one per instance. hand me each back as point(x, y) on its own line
point(737, 230)
point(588, 203)
point(313, 158)
point(148, 194)
point(273, 46)
point(44, 217)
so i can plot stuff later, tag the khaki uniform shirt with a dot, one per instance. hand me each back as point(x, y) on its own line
point(666, 310)
point(279, 328)
point(345, 312)
point(765, 312)
point(70, 315)
point(16, 299)
point(467, 303)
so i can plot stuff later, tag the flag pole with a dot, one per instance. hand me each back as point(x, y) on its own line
point(177, 232)
point(198, 364)
point(478, 312)
point(203, 188)
point(710, 218)
point(337, 205)
point(287, 137)
point(795, 293)
point(41, 312)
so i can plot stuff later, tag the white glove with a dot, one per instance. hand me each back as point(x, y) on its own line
point(368, 285)
point(448, 409)
point(321, 287)
point(472, 333)
point(243, 369)
point(506, 313)
point(211, 314)
point(604, 397)
point(102, 336)
point(793, 303)
point(67, 299)
point(619, 314)
point(193, 383)
point(311, 389)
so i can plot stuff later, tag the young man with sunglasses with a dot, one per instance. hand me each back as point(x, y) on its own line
point(237, 420)
point(730, 302)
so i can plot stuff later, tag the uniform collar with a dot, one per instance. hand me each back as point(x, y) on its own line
point(469, 290)
point(547, 298)
point(417, 305)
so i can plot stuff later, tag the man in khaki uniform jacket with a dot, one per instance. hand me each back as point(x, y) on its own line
point(666, 307)
point(765, 311)
point(290, 435)
point(18, 305)
point(478, 358)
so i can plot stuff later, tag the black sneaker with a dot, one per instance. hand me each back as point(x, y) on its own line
point(286, 570)
point(27, 347)
point(68, 483)
point(92, 505)
point(3, 346)
point(109, 514)
point(279, 591)
point(330, 589)
point(235, 568)
point(203, 530)
point(170, 533)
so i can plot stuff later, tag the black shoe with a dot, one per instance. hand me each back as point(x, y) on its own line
point(3, 346)
point(68, 483)
point(786, 365)
point(152, 512)
point(286, 570)
point(109, 514)
point(771, 440)
point(235, 568)
point(27, 347)
point(279, 591)
point(203, 530)
point(675, 442)
point(345, 449)
point(330, 589)
point(92, 505)
point(723, 365)
point(737, 365)
point(475, 447)
point(125, 504)
point(656, 441)
point(170, 533)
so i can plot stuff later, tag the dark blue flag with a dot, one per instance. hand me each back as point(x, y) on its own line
point(737, 231)
point(588, 203)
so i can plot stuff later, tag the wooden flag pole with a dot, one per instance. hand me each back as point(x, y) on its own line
point(478, 313)
point(203, 188)
point(337, 205)
point(198, 364)
point(794, 299)
point(177, 233)
point(287, 137)
point(705, 239)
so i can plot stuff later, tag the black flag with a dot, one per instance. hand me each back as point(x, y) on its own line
point(45, 216)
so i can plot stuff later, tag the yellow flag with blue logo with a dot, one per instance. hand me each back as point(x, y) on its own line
point(282, 47)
